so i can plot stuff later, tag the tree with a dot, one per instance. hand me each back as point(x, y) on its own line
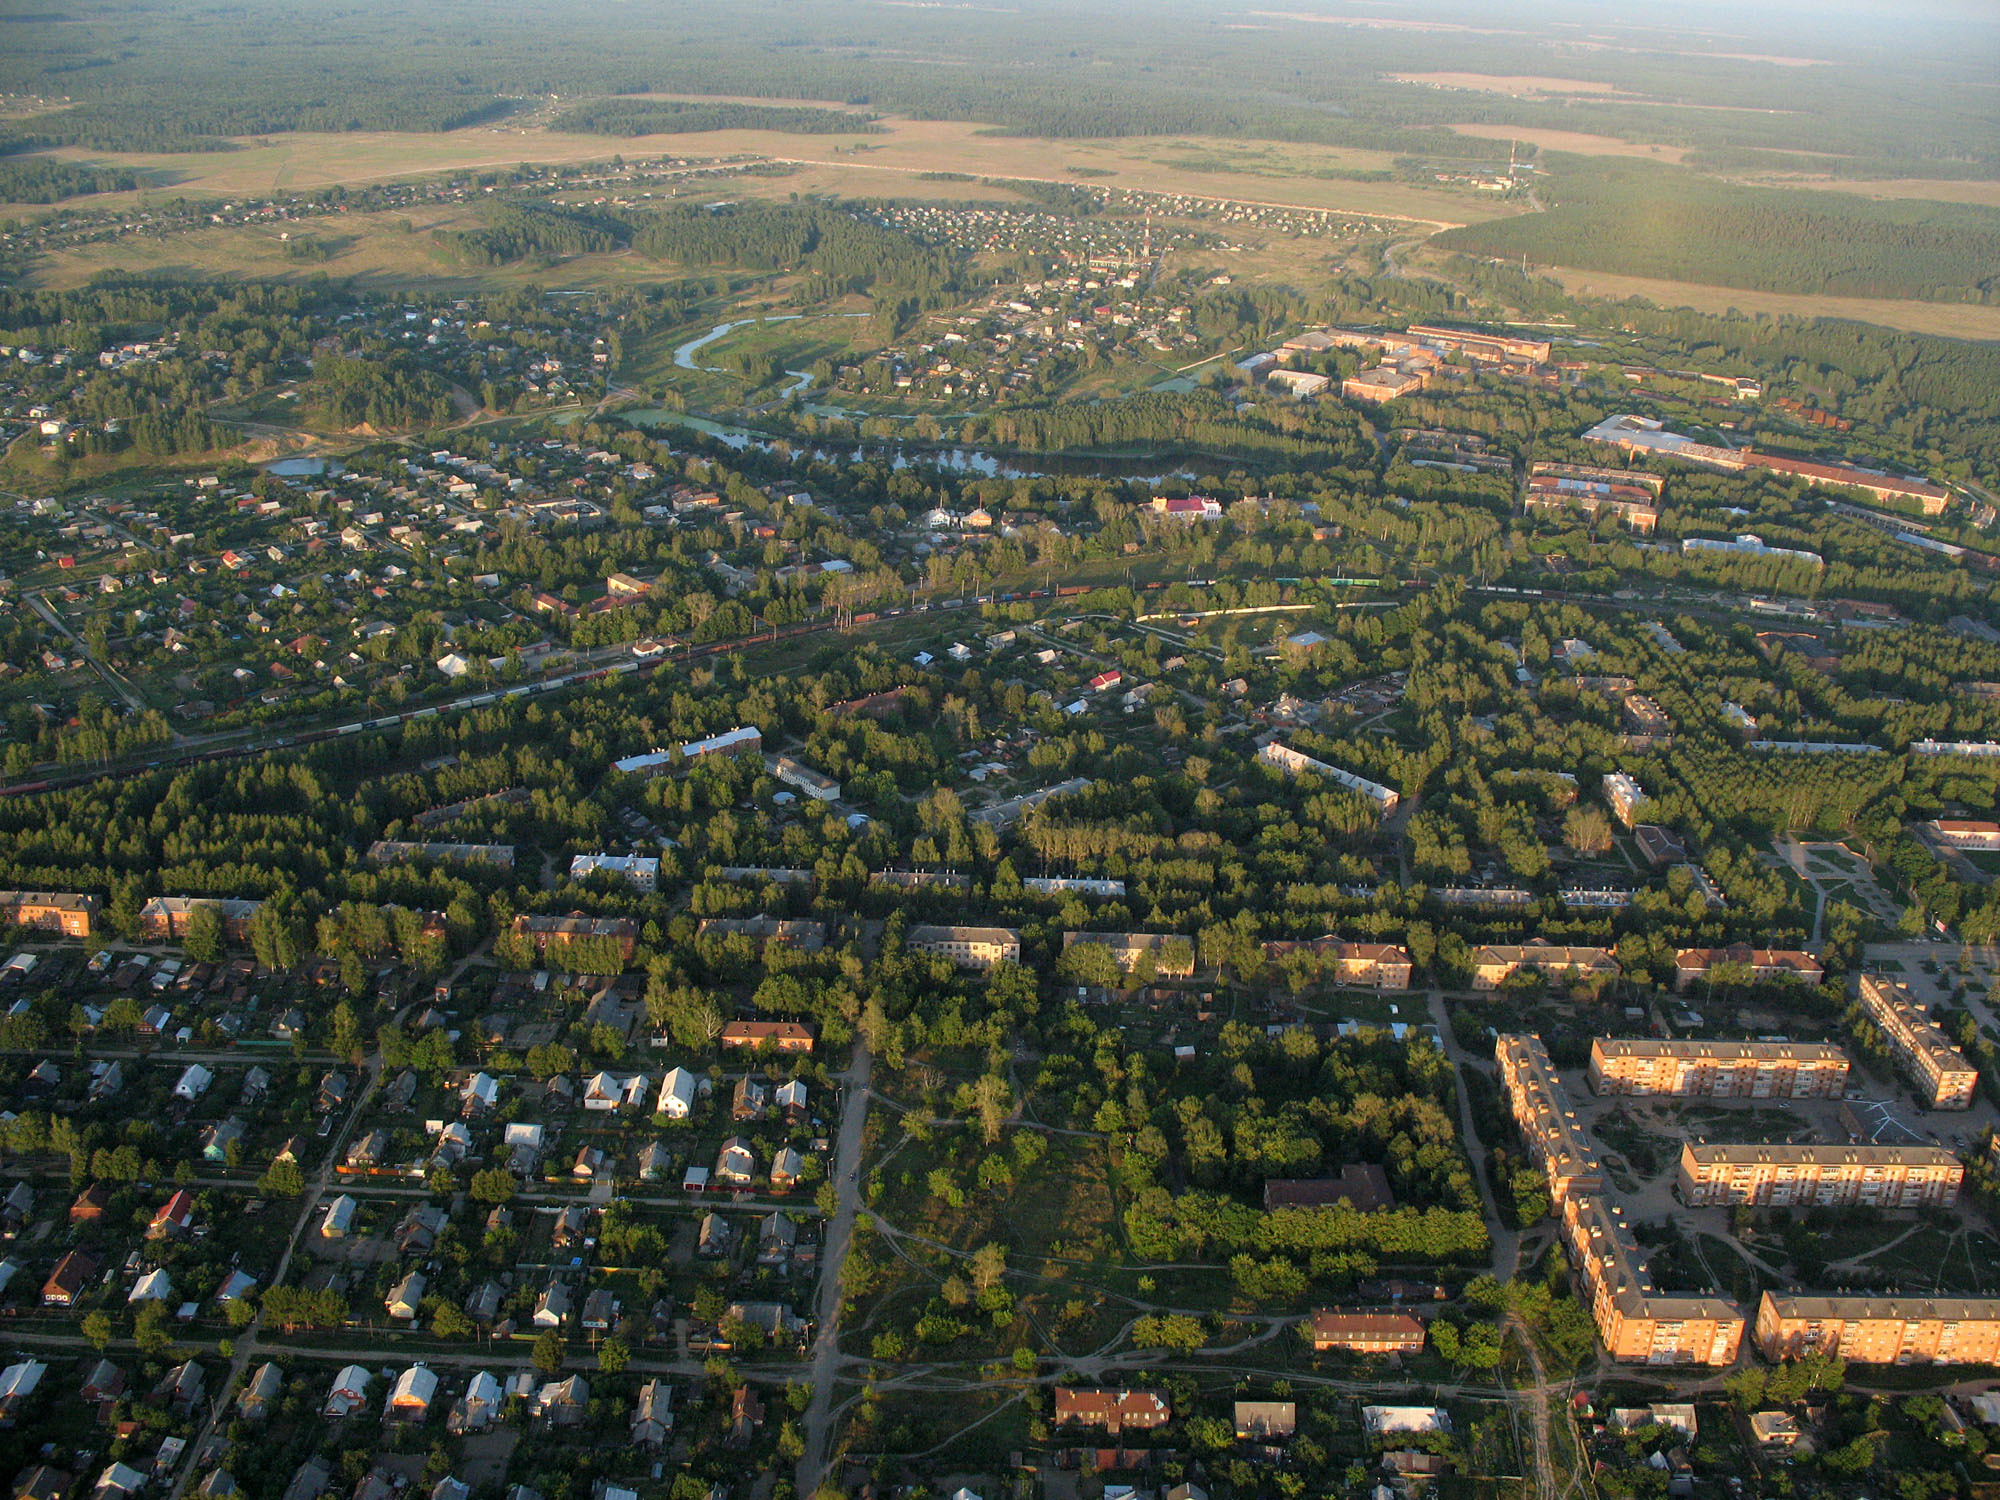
point(149, 1331)
point(201, 935)
point(989, 1264)
point(613, 1355)
point(449, 1321)
point(990, 1098)
point(492, 1185)
point(97, 1329)
point(283, 1179)
point(1587, 830)
point(550, 1352)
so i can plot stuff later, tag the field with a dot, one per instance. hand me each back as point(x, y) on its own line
point(1578, 142)
point(868, 165)
point(1942, 319)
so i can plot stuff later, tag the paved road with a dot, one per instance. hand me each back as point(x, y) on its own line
point(826, 1357)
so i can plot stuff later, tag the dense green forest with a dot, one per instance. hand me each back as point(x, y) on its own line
point(1916, 101)
point(1642, 219)
point(517, 231)
point(44, 180)
point(679, 116)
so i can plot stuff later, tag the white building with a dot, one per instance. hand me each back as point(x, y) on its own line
point(640, 873)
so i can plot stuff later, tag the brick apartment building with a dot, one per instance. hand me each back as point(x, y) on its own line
point(1820, 1176)
point(1944, 1077)
point(1881, 1330)
point(1717, 1070)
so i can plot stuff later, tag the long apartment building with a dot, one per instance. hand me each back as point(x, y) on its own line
point(1382, 966)
point(968, 947)
point(1763, 964)
point(1717, 1070)
point(1297, 763)
point(1635, 1319)
point(1495, 964)
point(1172, 956)
point(1946, 1078)
point(1881, 1330)
point(1819, 1176)
point(1559, 1144)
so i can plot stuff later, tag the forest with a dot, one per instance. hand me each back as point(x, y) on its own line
point(1644, 219)
point(627, 117)
point(46, 180)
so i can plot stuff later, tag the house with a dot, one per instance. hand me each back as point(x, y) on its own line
point(1363, 1186)
point(552, 1307)
point(310, 1482)
point(786, 1168)
point(370, 1151)
point(410, 1398)
point(90, 1204)
point(600, 1311)
point(562, 1403)
point(263, 1388)
point(678, 1091)
point(155, 1286)
point(1775, 1429)
point(217, 1139)
point(791, 1099)
point(19, 1382)
point(589, 1162)
point(182, 1387)
point(480, 1094)
point(476, 1410)
point(610, 1091)
point(173, 1217)
point(1113, 1410)
point(104, 1382)
point(118, 1482)
point(42, 1483)
point(75, 1271)
point(483, 1306)
point(194, 1082)
point(777, 1236)
point(339, 1220)
point(653, 1415)
point(714, 1237)
point(404, 1302)
point(1266, 1421)
point(746, 1414)
point(780, 1036)
point(419, 1229)
point(655, 1162)
point(349, 1393)
point(1386, 1419)
point(748, 1100)
point(736, 1163)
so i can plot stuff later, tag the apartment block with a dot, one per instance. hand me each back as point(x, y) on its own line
point(1493, 965)
point(1764, 964)
point(1366, 1333)
point(1560, 1146)
point(543, 931)
point(1172, 955)
point(50, 911)
point(1945, 1077)
point(164, 919)
point(1639, 1323)
point(1819, 1176)
point(968, 947)
point(1967, 833)
point(1382, 966)
point(1881, 1330)
point(1717, 1070)
point(1624, 795)
point(1297, 763)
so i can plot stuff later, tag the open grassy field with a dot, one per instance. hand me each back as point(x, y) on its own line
point(890, 164)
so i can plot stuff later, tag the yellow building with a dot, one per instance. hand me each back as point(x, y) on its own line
point(1494, 964)
point(1717, 1070)
point(1820, 1176)
point(1947, 1079)
point(1881, 1330)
